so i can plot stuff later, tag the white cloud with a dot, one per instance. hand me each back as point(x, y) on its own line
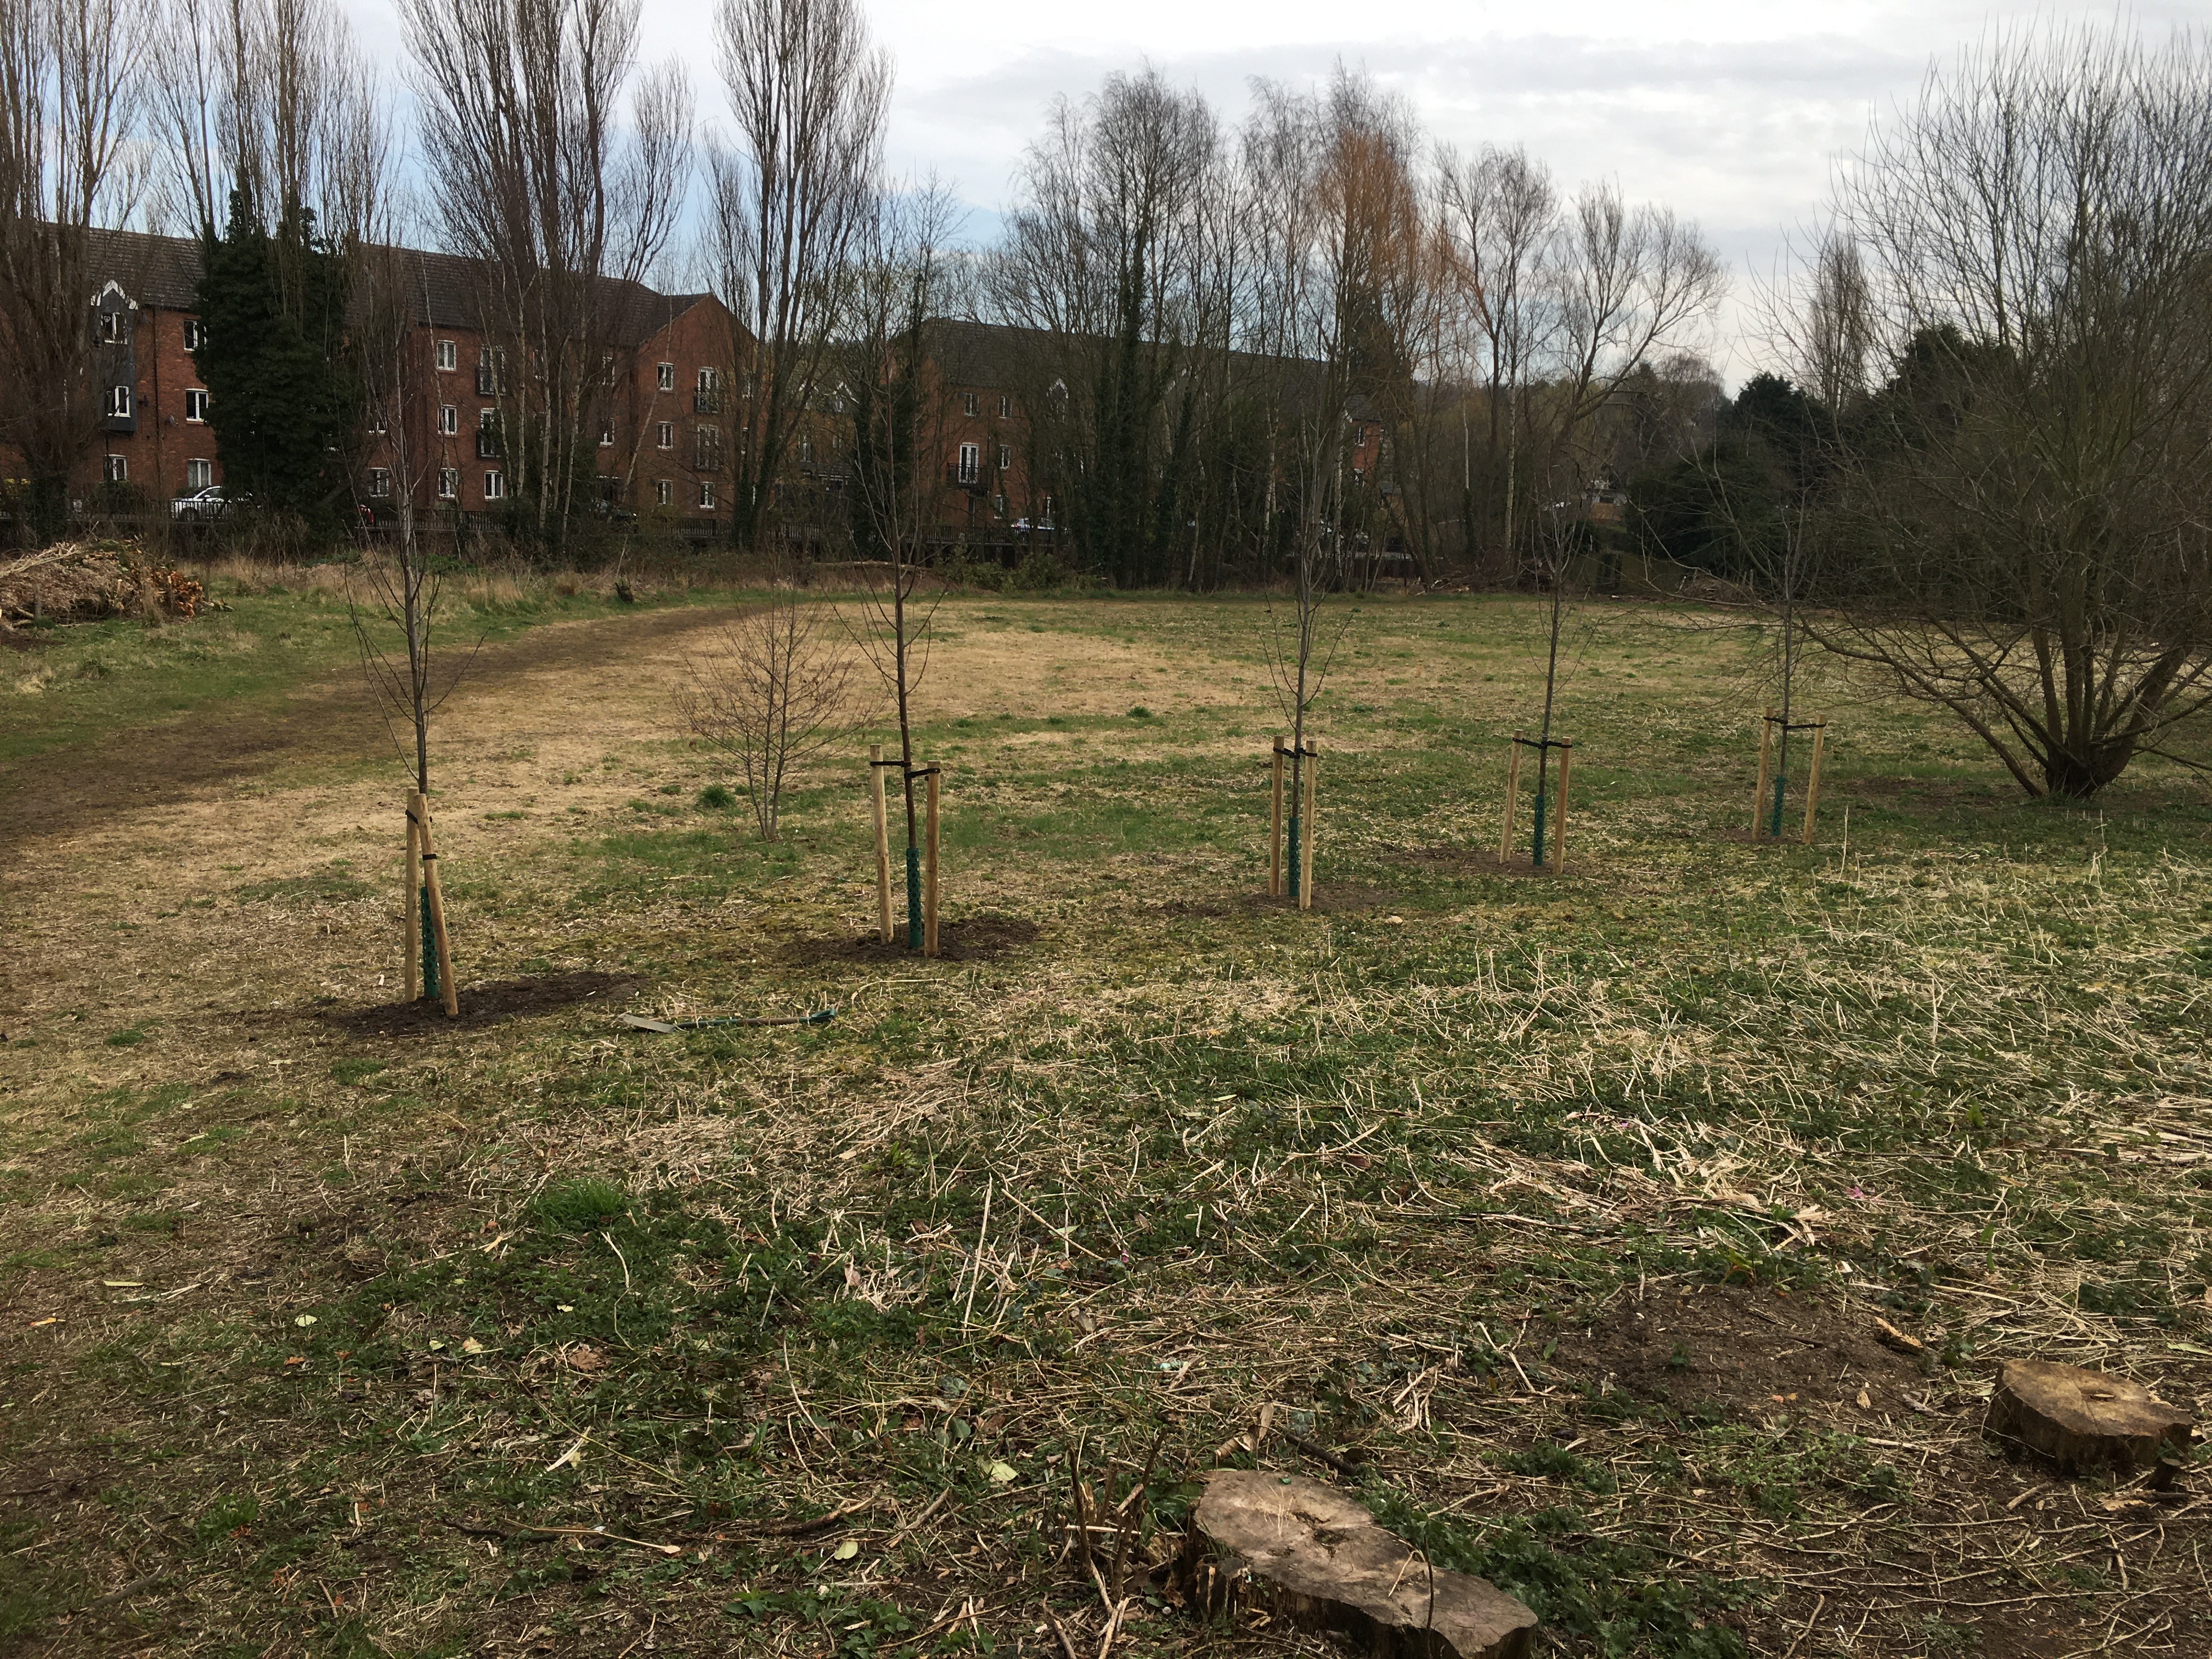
point(1732, 112)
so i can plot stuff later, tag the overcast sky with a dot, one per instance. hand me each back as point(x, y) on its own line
point(1732, 112)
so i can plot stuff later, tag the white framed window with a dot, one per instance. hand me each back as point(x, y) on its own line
point(706, 493)
point(1005, 456)
point(666, 377)
point(971, 462)
point(376, 427)
point(195, 334)
point(1005, 407)
point(606, 437)
point(380, 484)
point(199, 475)
point(664, 492)
point(607, 368)
point(449, 356)
point(449, 483)
point(196, 404)
point(495, 486)
point(119, 402)
point(806, 452)
point(119, 468)
point(970, 403)
point(998, 507)
point(114, 328)
point(665, 434)
point(449, 419)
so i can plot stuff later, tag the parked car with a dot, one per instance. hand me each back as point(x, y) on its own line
point(209, 503)
point(1042, 527)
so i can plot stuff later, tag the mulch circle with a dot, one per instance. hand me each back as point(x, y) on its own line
point(1463, 860)
point(978, 938)
point(1330, 898)
point(482, 1004)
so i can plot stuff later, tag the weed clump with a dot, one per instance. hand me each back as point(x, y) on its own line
point(580, 1205)
point(716, 797)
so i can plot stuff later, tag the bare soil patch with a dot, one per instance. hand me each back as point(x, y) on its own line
point(1454, 860)
point(1748, 1350)
point(979, 938)
point(1331, 899)
point(482, 1004)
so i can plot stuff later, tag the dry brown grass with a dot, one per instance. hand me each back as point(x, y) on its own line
point(1439, 1188)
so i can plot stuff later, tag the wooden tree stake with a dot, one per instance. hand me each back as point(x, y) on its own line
point(1513, 798)
point(1559, 824)
point(410, 876)
point(1759, 801)
point(1306, 831)
point(883, 843)
point(452, 993)
point(1275, 828)
point(929, 873)
point(1812, 780)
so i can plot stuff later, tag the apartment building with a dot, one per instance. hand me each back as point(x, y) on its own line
point(664, 432)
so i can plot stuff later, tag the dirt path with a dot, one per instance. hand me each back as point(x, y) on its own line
point(331, 719)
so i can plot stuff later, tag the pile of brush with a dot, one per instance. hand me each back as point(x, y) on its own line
point(82, 581)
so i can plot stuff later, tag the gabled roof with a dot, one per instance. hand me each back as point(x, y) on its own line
point(162, 271)
point(985, 354)
point(1001, 354)
point(443, 289)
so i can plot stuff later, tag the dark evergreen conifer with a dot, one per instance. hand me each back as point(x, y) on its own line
point(282, 395)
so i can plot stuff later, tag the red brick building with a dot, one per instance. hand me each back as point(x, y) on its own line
point(981, 431)
point(663, 442)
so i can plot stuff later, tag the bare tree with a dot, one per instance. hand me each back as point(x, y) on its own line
point(898, 417)
point(1321, 178)
point(561, 170)
point(69, 98)
point(272, 98)
point(396, 619)
point(1111, 262)
point(2020, 522)
point(1837, 337)
point(1502, 212)
point(773, 690)
point(1569, 303)
point(792, 203)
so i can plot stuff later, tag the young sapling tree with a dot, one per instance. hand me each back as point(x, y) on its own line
point(897, 435)
point(773, 690)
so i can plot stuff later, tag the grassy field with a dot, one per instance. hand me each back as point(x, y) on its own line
point(1585, 1224)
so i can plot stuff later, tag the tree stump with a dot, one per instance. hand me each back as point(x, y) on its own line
point(2083, 1419)
point(1309, 1554)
